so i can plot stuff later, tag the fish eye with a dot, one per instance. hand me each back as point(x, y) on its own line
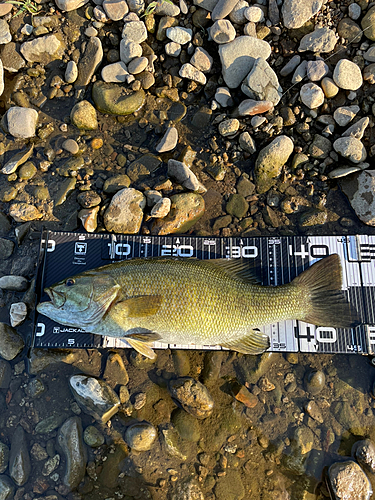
point(69, 282)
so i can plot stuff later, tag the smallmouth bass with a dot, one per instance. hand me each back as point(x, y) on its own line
point(216, 302)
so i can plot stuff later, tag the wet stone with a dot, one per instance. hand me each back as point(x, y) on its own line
point(188, 489)
point(27, 171)
point(141, 168)
point(49, 424)
point(50, 465)
point(186, 425)
point(35, 388)
point(5, 376)
point(93, 437)
point(140, 436)
point(19, 459)
point(95, 397)
point(312, 217)
point(112, 99)
point(230, 486)
point(115, 371)
point(347, 477)
point(88, 217)
point(11, 342)
point(364, 453)
point(193, 396)
point(202, 118)
point(70, 440)
point(83, 116)
point(315, 382)
point(237, 206)
point(114, 184)
point(7, 488)
point(38, 452)
point(6, 248)
point(4, 453)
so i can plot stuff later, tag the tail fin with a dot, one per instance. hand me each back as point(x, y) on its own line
point(327, 303)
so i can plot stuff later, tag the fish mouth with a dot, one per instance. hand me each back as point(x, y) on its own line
point(58, 299)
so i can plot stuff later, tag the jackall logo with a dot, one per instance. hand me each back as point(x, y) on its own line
point(80, 248)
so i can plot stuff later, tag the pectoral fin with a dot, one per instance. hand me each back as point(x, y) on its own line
point(141, 346)
point(139, 307)
point(254, 342)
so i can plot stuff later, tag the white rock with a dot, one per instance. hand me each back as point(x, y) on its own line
point(345, 115)
point(347, 75)
point(22, 122)
point(202, 60)
point(350, 148)
point(358, 128)
point(173, 49)
point(161, 208)
point(311, 95)
point(169, 140)
point(71, 72)
point(254, 14)
point(296, 12)
point(222, 31)
point(229, 127)
point(179, 35)
point(237, 16)
point(68, 5)
point(17, 313)
point(300, 72)
point(129, 50)
point(360, 192)
point(115, 9)
point(137, 65)
point(247, 143)
point(115, 73)
point(14, 283)
point(188, 71)
point(125, 212)
point(134, 31)
point(183, 175)
point(262, 83)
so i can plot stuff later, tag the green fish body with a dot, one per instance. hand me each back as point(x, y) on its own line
point(194, 302)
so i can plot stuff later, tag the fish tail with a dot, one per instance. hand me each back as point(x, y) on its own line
point(324, 302)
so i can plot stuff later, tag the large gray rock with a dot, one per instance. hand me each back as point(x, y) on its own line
point(347, 75)
point(22, 122)
point(125, 212)
point(262, 83)
point(360, 189)
point(350, 148)
point(43, 49)
point(238, 57)
point(321, 40)
point(349, 482)
point(89, 62)
point(270, 162)
point(73, 447)
point(296, 13)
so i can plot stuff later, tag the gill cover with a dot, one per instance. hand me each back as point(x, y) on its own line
point(81, 300)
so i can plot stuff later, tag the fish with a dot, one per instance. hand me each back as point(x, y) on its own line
point(191, 301)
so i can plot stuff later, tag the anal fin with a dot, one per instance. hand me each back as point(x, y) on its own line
point(254, 342)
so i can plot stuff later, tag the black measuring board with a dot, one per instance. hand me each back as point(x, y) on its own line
point(275, 261)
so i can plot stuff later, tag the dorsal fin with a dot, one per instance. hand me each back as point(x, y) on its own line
point(237, 269)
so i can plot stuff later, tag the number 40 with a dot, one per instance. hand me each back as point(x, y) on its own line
point(314, 251)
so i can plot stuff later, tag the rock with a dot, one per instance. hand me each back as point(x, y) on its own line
point(188, 71)
point(4, 450)
point(311, 95)
point(345, 477)
point(18, 313)
point(223, 97)
point(364, 452)
point(290, 66)
point(187, 489)
point(350, 30)
point(313, 217)
point(14, 283)
point(254, 14)
point(316, 70)
point(17, 160)
point(161, 208)
point(369, 55)
point(70, 440)
point(247, 143)
point(12, 61)
point(129, 50)
point(125, 212)
point(115, 371)
point(5, 35)
point(164, 24)
point(89, 62)
point(222, 9)
point(141, 168)
point(360, 190)
point(314, 412)
point(357, 129)
point(172, 443)
point(5, 377)
point(229, 127)
point(173, 49)
point(183, 175)
point(237, 58)
point(262, 83)
point(115, 73)
point(89, 218)
point(19, 459)
point(115, 184)
point(321, 40)
point(22, 122)
point(169, 140)
point(329, 87)
point(232, 483)
point(71, 72)
point(166, 9)
point(83, 116)
point(315, 382)
point(43, 49)
point(137, 65)
point(6, 248)
point(95, 397)
point(350, 148)
point(320, 147)
point(237, 15)
point(115, 9)
point(249, 107)
point(345, 115)
point(270, 161)
point(6, 488)
point(186, 210)
point(303, 439)
point(112, 99)
point(49, 424)
point(296, 14)
point(68, 5)
point(354, 11)
point(179, 35)
point(134, 31)
point(11, 342)
point(140, 436)
point(347, 75)
point(342, 172)
point(93, 437)
point(193, 396)
point(368, 24)
point(300, 72)
point(237, 206)
point(222, 31)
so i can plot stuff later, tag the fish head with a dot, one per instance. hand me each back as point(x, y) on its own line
point(80, 300)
